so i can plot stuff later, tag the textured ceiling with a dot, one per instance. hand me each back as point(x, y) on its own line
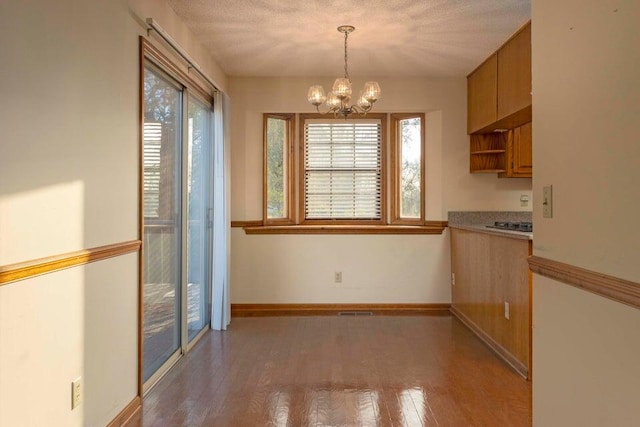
point(428, 38)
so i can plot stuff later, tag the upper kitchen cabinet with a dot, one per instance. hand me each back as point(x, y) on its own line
point(499, 90)
point(482, 90)
point(514, 74)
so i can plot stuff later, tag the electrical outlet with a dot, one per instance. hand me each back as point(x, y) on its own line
point(337, 277)
point(453, 278)
point(547, 201)
point(76, 393)
point(524, 201)
point(506, 310)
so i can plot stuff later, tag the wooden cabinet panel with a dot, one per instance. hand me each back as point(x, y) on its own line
point(519, 163)
point(482, 95)
point(514, 74)
point(523, 151)
point(490, 270)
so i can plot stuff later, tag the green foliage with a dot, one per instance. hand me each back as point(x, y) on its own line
point(276, 141)
point(410, 177)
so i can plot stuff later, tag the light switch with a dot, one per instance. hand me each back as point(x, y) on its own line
point(547, 201)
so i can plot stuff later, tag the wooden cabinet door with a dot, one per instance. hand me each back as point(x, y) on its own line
point(522, 152)
point(482, 95)
point(519, 162)
point(514, 74)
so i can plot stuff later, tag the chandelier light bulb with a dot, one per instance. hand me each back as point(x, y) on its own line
point(333, 102)
point(316, 95)
point(342, 87)
point(363, 102)
point(371, 91)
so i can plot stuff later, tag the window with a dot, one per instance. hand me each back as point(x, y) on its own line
point(341, 182)
point(407, 178)
point(278, 167)
point(342, 170)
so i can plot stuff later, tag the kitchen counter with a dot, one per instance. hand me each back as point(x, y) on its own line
point(478, 221)
point(482, 228)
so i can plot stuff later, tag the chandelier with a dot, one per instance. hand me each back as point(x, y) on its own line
point(337, 101)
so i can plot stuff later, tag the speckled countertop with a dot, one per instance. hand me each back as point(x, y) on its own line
point(478, 221)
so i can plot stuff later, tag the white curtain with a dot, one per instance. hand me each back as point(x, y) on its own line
point(221, 305)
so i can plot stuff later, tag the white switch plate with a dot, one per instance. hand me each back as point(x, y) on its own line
point(76, 393)
point(547, 201)
point(337, 278)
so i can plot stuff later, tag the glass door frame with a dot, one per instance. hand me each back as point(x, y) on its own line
point(156, 60)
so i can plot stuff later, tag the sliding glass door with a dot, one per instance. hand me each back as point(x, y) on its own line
point(199, 218)
point(177, 221)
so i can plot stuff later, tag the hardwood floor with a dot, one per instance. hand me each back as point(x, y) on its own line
point(340, 371)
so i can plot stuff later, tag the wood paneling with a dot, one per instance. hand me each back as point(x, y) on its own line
point(482, 94)
point(127, 414)
point(514, 73)
point(492, 343)
point(430, 227)
point(252, 310)
point(489, 271)
point(620, 290)
point(339, 370)
point(12, 272)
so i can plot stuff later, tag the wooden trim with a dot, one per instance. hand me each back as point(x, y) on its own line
point(140, 314)
point(255, 310)
point(396, 169)
point(289, 150)
point(153, 54)
point(383, 117)
point(518, 366)
point(20, 271)
point(432, 227)
point(123, 418)
point(620, 290)
point(250, 223)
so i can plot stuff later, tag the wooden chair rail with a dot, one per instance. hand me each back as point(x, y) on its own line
point(20, 271)
point(620, 290)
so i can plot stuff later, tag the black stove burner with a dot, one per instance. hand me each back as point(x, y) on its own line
point(513, 226)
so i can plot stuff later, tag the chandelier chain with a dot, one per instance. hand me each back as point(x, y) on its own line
point(346, 59)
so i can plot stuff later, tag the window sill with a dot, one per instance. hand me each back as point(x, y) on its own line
point(430, 227)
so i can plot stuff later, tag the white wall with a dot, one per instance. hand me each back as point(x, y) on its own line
point(586, 64)
point(69, 180)
point(376, 269)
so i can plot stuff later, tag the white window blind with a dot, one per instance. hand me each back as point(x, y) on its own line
point(152, 145)
point(343, 169)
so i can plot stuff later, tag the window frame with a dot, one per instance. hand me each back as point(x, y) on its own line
point(396, 169)
point(289, 219)
point(382, 117)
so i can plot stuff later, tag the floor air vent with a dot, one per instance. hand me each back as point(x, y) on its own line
point(355, 313)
